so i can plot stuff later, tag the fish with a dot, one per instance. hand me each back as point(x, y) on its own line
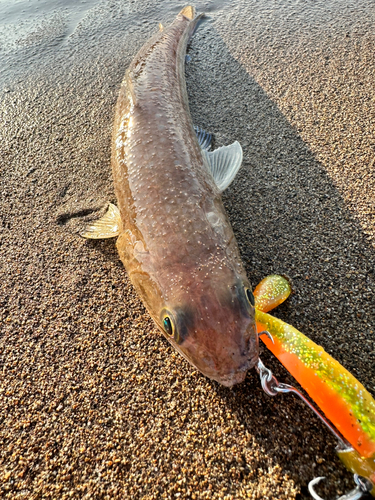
point(173, 234)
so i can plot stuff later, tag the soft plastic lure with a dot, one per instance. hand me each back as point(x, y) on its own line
point(343, 399)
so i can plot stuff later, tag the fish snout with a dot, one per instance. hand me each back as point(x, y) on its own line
point(227, 358)
point(232, 379)
point(237, 372)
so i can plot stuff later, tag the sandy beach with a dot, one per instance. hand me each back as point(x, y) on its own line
point(94, 402)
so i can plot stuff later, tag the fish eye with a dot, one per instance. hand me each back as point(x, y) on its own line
point(168, 326)
point(250, 297)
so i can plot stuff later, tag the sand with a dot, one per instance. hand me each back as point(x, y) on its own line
point(94, 402)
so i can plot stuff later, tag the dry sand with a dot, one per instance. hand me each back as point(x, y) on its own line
point(94, 402)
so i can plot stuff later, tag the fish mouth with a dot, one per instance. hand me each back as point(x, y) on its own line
point(233, 378)
point(236, 376)
point(227, 380)
point(229, 373)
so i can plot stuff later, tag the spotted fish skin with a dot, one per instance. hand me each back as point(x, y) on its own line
point(176, 242)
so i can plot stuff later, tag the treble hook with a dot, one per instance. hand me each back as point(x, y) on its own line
point(272, 387)
point(360, 491)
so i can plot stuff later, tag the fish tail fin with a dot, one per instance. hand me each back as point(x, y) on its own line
point(196, 22)
point(188, 11)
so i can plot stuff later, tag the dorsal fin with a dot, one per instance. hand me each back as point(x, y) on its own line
point(224, 163)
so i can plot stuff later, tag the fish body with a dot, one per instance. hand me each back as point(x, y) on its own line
point(175, 239)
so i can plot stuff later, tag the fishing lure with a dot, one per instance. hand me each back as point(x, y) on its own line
point(343, 399)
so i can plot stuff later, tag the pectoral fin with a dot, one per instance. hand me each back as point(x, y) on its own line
point(108, 226)
point(224, 163)
point(204, 138)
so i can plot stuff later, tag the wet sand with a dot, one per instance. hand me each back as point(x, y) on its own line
point(94, 402)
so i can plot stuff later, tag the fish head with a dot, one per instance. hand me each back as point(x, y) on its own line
point(213, 327)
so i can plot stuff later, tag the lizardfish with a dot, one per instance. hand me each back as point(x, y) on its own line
point(174, 237)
